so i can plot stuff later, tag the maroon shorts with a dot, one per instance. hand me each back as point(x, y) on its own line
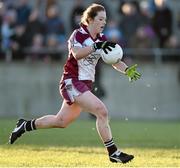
point(70, 88)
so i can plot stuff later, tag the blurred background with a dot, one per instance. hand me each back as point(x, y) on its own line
point(33, 38)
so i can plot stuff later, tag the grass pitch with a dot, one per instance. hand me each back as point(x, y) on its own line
point(154, 144)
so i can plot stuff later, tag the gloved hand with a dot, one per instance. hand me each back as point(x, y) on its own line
point(105, 45)
point(132, 73)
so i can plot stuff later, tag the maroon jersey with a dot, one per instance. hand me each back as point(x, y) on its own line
point(83, 69)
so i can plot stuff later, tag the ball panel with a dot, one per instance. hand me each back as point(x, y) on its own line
point(113, 56)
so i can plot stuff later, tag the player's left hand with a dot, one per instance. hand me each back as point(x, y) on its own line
point(132, 73)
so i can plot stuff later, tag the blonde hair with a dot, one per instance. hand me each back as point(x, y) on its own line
point(91, 12)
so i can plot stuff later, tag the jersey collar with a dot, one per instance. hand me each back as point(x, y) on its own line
point(87, 31)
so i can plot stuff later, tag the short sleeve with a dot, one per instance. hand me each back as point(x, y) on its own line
point(75, 40)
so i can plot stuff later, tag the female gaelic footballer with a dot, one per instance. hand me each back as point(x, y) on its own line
point(76, 83)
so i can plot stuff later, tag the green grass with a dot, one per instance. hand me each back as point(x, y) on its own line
point(153, 144)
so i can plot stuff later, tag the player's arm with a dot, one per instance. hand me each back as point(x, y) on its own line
point(79, 52)
point(82, 52)
point(120, 66)
point(130, 72)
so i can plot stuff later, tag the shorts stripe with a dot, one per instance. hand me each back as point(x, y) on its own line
point(70, 88)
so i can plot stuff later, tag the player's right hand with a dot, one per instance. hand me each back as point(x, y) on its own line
point(105, 45)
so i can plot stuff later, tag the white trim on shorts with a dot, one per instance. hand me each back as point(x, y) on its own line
point(72, 91)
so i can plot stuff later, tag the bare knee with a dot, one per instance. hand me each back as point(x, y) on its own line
point(101, 111)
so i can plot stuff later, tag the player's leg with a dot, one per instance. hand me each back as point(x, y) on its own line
point(89, 102)
point(95, 106)
point(64, 117)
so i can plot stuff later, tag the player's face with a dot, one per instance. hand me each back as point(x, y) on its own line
point(99, 21)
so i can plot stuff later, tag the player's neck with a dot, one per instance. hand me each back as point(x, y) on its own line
point(92, 32)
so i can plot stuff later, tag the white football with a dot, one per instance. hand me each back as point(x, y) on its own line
point(113, 56)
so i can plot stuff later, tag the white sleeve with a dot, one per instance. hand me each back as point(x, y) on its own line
point(73, 41)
